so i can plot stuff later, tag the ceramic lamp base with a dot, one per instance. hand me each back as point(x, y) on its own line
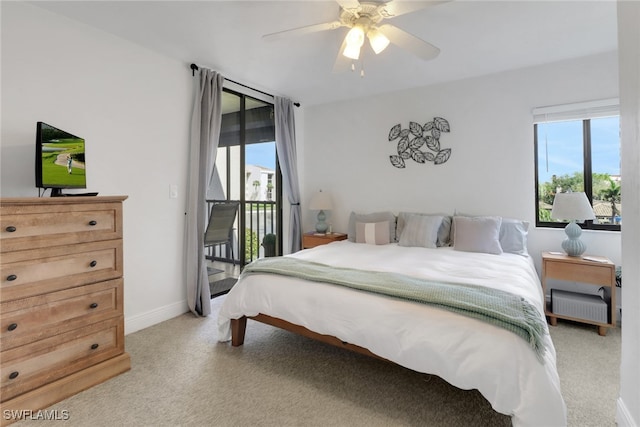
point(572, 245)
point(321, 225)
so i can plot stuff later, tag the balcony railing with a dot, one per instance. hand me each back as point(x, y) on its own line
point(260, 219)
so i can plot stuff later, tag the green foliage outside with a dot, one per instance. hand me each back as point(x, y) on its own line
point(252, 246)
point(604, 189)
point(612, 195)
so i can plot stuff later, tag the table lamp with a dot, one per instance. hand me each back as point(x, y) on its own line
point(572, 207)
point(321, 202)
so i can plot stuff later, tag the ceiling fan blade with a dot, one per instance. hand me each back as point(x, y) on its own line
point(409, 42)
point(303, 30)
point(398, 7)
point(348, 4)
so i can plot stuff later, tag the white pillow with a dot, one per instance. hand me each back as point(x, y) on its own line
point(372, 233)
point(477, 234)
point(420, 230)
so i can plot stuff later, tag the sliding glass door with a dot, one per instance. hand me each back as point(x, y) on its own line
point(246, 170)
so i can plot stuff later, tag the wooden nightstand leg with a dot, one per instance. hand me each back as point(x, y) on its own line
point(553, 321)
point(602, 331)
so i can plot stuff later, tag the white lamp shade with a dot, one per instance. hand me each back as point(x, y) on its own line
point(572, 206)
point(320, 201)
point(355, 36)
point(353, 41)
point(377, 40)
point(352, 52)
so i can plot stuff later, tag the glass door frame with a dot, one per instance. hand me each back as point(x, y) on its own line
point(242, 135)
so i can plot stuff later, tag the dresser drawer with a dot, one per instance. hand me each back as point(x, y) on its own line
point(28, 273)
point(53, 224)
point(30, 319)
point(33, 365)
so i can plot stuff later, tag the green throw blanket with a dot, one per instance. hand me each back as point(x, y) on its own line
point(493, 306)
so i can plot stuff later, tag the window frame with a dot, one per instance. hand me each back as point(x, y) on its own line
point(587, 175)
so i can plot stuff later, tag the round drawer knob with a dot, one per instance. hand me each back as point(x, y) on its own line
point(12, 327)
point(93, 305)
point(93, 222)
point(13, 375)
point(93, 263)
point(11, 229)
point(94, 346)
point(11, 277)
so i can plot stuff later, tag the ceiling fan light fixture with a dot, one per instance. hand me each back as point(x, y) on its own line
point(378, 41)
point(351, 52)
point(354, 41)
point(355, 36)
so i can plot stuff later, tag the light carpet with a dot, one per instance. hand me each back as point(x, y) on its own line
point(181, 375)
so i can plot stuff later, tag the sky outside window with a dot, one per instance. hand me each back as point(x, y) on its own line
point(560, 149)
point(262, 154)
point(605, 145)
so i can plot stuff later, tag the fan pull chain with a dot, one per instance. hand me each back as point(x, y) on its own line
point(353, 67)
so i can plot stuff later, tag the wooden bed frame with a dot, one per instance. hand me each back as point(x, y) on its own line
point(239, 326)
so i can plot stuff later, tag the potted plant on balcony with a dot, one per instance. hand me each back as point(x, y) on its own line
point(269, 245)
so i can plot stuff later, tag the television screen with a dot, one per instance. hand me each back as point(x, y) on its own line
point(59, 159)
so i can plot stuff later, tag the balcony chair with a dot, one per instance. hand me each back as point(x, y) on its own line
point(220, 227)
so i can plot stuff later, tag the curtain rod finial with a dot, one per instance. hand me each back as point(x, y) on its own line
point(194, 68)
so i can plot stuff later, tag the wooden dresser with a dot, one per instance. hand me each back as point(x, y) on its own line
point(61, 299)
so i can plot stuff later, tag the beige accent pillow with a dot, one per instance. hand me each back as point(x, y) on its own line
point(372, 217)
point(373, 233)
point(477, 234)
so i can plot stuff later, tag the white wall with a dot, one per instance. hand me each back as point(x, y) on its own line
point(491, 169)
point(628, 413)
point(132, 106)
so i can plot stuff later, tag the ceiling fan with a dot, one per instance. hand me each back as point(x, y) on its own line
point(364, 20)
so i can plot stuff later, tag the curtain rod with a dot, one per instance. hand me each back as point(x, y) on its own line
point(194, 68)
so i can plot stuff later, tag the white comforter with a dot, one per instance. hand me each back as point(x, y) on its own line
point(467, 353)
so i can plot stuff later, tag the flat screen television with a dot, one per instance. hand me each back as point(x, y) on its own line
point(60, 160)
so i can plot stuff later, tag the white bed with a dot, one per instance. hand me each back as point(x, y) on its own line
point(466, 352)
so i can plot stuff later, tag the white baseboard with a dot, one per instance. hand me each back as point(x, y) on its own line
point(623, 417)
point(150, 318)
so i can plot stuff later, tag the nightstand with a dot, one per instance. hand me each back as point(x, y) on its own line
point(599, 271)
point(312, 239)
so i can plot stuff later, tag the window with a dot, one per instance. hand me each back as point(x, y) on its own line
point(577, 148)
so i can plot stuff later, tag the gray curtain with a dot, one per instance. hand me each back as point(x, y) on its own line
point(205, 132)
point(286, 149)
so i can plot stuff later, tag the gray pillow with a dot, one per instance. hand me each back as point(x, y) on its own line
point(420, 231)
point(371, 217)
point(444, 232)
point(477, 234)
point(373, 233)
point(513, 236)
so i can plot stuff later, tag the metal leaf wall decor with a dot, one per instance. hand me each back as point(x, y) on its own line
point(420, 143)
